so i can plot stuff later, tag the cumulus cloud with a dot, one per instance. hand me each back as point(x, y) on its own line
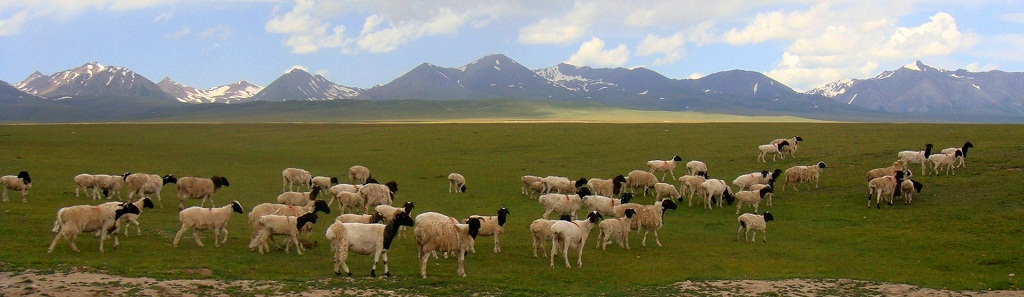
point(306, 32)
point(12, 25)
point(550, 31)
point(593, 53)
point(378, 38)
point(670, 48)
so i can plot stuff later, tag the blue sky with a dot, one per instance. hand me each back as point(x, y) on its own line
point(358, 43)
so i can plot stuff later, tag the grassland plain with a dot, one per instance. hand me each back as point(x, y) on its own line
point(962, 232)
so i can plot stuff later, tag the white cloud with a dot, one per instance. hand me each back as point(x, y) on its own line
point(163, 17)
point(1013, 17)
point(299, 67)
point(307, 33)
point(376, 38)
point(592, 53)
point(12, 25)
point(549, 31)
point(218, 32)
point(976, 67)
point(695, 75)
point(669, 47)
point(181, 33)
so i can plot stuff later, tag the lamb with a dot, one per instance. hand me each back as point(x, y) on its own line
point(324, 182)
point(664, 166)
point(199, 219)
point(199, 188)
point(690, 185)
point(772, 149)
point(457, 182)
point(281, 225)
point(389, 212)
point(944, 160)
point(295, 176)
point(791, 148)
point(358, 174)
point(751, 198)
point(348, 200)
point(491, 226)
point(559, 184)
point(376, 194)
point(337, 189)
point(716, 188)
point(127, 219)
point(637, 179)
point(753, 222)
point(667, 190)
point(147, 185)
point(109, 185)
point(21, 182)
point(745, 181)
point(767, 197)
point(438, 232)
point(562, 203)
point(364, 239)
point(85, 182)
point(606, 187)
point(799, 174)
point(917, 157)
point(527, 181)
point(604, 205)
point(907, 188)
point(897, 166)
point(281, 209)
point(537, 188)
point(617, 229)
point(696, 168)
point(571, 235)
point(967, 145)
point(648, 217)
point(885, 188)
point(298, 198)
point(541, 230)
point(74, 220)
point(360, 218)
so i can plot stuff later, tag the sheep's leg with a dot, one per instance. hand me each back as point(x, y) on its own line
point(644, 242)
point(625, 238)
point(298, 246)
point(579, 252)
point(497, 244)
point(554, 252)
point(376, 258)
point(424, 256)
point(103, 237)
point(764, 234)
point(738, 230)
point(5, 195)
point(138, 230)
point(462, 264)
point(216, 236)
point(54, 243)
point(195, 236)
point(177, 237)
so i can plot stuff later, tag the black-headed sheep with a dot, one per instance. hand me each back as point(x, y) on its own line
point(364, 239)
point(109, 185)
point(617, 228)
point(753, 222)
point(791, 148)
point(716, 188)
point(963, 150)
point(456, 182)
point(295, 177)
point(696, 168)
point(798, 174)
point(944, 160)
point(605, 205)
point(690, 186)
point(562, 203)
point(199, 188)
point(21, 182)
point(664, 167)
point(648, 217)
point(897, 166)
point(85, 182)
point(917, 157)
point(74, 220)
point(885, 188)
point(131, 218)
point(566, 235)
point(199, 219)
point(492, 226)
point(541, 230)
point(908, 187)
point(358, 174)
point(298, 198)
point(751, 198)
point(438, 232)
point(147, 185)
point(324, 182)
point(281, 225)
point(377, 194)
point(639, 179)
point(771, 149)
point(743, 182)
point(606, 187)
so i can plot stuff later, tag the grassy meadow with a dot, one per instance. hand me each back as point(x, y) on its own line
point(963, 232)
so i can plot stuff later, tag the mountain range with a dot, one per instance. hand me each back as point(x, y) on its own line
point(916, 91)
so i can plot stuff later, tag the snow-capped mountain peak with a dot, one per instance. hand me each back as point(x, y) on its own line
point(232, 93)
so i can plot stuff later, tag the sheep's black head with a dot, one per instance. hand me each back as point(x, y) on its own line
point(402, 218)
point(783, 144)
point(593, 217)
point(474, 227)
point(334, 180)
point(703, 174)
point(776, 173)
point(126, 208)
point(765, 191)
point(668, 204)
point(768, 217)
point(565, 217)
point(376, 218)
point(822, 165)
point(219, 181)
point(619, 179)
point(371, 180)
point(677, 159)
point(24, 177)
point(393, 186)
point(958, 153)
point(917, 186)
point(729, 198)
point(765, 173)
point(798, 138)
point(237, 207)
point(630, 213)
point(125, 175)
point(584, 192)
point(147, 203)
point(463, 190)
point(502, 216)
point(313, 193)
point(170, 179)
point(321, 206)
point(581, 182)
point(626, 197)
point(408, 206)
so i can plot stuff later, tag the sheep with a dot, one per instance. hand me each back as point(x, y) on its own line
point(967, 145)
point(885, 188)
point(637, 179)
point(606, 187)
point(358, 174)
point(527, 181)
point(907, 188)
point(148, 184)
point(772, 149)
point(199, 219)
point(571, 234)
point(85, 182)
point(457, 182)
point(745, 181)
point(716, 188)
point(21, 182)
point(604, 205)
point(360, 218)
point(562, 203)
point(376, 194)
point(559, 184)
point(541, 230)
point(347, 200)
point(438, 232)
point(664, 166)
point(281, 209)
point(127, 219)
point(753, 222)
point(944, 160)
point(491, 226)
point(281, 225)
point(667, 190)
point(799, 174)
point(324, 182)
point(648, 217)
point(898, 165)
point(767, 197)
point(751, 198)
point(74, 220)
point(696, 168)
point(690, 185)
point(295, 176)
point(617, 228)
point(917, 157)
point(364, 239)
point(199, 188)
point(389, 212)
point(109, 185)
point(298, 198)
point(337, 189)
point(791, 148)
point(537, 188)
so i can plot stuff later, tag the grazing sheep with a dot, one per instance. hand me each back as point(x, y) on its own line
point(360, 218)
point(606, 187)
point(944, 160)
point(559, 184)
point(541, 230)
point(376, 194)
point(897, 166)
point(907, 188)
point(696, 168)
point(281, 225)
point(199, 188)
point(438, 232)
point(917, 157)
point(527, 181)
point(348, 200)
point(285, 210)
point(617, 229)
point(537, 188)
point(340, 188)
point(690, 185)
point(753, 222)
point(74, 220)
point(389, 212)
point(20, 182)
point(604, 205)
point(648, 217)
point(664, 166)
point(491, 226)
point(324, 182)
point(364, 239)
point(791, 148)
point(771, 149)
point(751, 198)
point(667, 190)
point(967, 145)
point(767, 197)
point(199, 219)
point(358, 174)
point(716, 188)
point(109, 185)
point(571, 234)
point(298, 198)
point(295, 177)
point(562, 203)
point(798, 174)
point(743, 182)
point(85, 182)
point(456, 182)
point(637, 179)
point(131, 218)
point(885, 188)
point(148, 185)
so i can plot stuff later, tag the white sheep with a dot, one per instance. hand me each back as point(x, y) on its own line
point(744, 182)
point(897, 166)
point(566, 235)
point(131, 218)
point(944, 160)
point(885, 188)
point(666, 190)
point(562, 203)
point(199, 219)
point(798, 174)
point(295, 176)
point(617, 229)
point(907, 188)
point(558, 184)
point(690, 185)
point(638, 179)
point(456, 182)
point(199, 188)
point(358, 174)
point(364, 239)
point(967, 145)
point(111, 184)
point(298, 198)
point(285, 210)
point(767, 197)
point(751, 198)
point(438, 232)
point(527, 181)
point(85, 182)
point(696, 168)
point(325, 182)
point(541, 230)
point(377, 194)
point(716, 188)
point(648, 217)
point(389, 212)
point(606, 187)
point(340, 188)
point(917, 157)
point(604, 205)
point(491, 226)
point(21, 182)
point(753, 222)
point(664, 167)
point(360, 218)
point(148, 185)
point(74, 220)
point(349, 200)
point(791, 148)
point(771, 149)
point(281, 225)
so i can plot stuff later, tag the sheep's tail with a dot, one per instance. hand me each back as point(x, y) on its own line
point(56, 222)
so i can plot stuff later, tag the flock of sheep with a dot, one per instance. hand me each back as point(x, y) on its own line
point(369, 222)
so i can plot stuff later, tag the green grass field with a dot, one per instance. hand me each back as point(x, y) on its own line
point(962, 233)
